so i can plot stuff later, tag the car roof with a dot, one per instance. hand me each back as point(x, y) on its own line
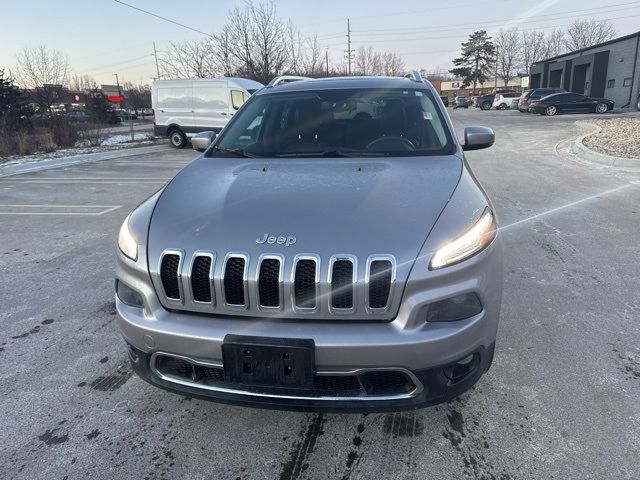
point(347, 82)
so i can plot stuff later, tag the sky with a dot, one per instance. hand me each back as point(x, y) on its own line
point(103, 37)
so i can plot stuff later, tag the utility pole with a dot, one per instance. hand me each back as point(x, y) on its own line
point(118, 84)
point(155, 53)
point(326, 59)
point(495, 82)
point(349, 51)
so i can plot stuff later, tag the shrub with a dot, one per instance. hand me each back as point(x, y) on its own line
point(92, 135)
point(65, 133)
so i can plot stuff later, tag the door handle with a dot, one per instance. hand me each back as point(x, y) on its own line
point(223, 113)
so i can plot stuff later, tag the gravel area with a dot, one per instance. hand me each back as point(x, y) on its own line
point(619, 137)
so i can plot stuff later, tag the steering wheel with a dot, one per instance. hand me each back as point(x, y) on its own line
point(391, 144)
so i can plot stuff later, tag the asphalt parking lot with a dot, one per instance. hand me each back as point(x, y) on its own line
point(561, 400)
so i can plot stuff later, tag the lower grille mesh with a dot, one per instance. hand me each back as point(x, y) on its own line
point(200, 281)
point(305, 284)
point(379, 283)
point(169, 275)
point(342, 284)
point(234, 281)
point(269, 283)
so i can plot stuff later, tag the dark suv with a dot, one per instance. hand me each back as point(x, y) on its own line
point(529, 96)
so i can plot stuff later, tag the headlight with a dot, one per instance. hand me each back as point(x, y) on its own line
point(466, 245)
point(127, 242)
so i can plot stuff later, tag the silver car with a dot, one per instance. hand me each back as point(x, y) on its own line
point(316, 260)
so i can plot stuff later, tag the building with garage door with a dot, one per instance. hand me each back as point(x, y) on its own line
point(610, 70)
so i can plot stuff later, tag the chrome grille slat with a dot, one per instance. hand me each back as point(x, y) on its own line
point(342, 281)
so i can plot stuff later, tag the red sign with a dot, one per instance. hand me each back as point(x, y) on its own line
point(115, 98)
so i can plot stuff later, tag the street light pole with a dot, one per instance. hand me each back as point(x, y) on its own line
point(326, 59)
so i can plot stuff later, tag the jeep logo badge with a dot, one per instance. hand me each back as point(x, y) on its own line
point(280, 240)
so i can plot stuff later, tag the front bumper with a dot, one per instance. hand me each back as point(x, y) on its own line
point(407, 343)
point(435, 386)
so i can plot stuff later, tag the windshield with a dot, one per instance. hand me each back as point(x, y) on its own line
point(338, 122)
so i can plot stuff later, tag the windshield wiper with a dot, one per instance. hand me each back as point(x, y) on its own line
point(333, 153)
point(235, 151)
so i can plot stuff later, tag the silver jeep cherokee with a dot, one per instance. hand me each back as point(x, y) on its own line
point(331, 250)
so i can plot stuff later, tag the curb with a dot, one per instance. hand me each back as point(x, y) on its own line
point(30, 167)
point(579, 149)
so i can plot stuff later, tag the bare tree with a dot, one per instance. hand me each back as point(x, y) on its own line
point(585, 33)
point(82, 83)
point(222, 47)
point(312, 58)
point(392, 64)
point(554, 43)
point(507, 43)
point(138, 96)
point(532, 48)
point(365, 61)
point(190, 59)
point(44, 71)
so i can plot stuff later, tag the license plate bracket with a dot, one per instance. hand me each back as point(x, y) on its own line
point(268, 361)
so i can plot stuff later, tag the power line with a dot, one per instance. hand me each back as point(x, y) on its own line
point(367, 41)
point(464, 26)
point(165, 19)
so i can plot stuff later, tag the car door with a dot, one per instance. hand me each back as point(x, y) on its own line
point(210, 105)
point(569, 102)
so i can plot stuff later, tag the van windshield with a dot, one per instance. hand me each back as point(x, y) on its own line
point(338, 122)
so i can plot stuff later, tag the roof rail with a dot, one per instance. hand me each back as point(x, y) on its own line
point(415, 76)
point(282, 79)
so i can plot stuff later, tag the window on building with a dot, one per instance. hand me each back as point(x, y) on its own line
point(611, 83)
point(627, 82)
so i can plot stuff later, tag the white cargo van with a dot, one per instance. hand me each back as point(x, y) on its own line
point(183, 108)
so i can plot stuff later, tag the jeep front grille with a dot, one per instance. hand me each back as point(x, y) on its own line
point(305, 280)
point(201, 277)
point(273, 284)
point(170, 265)
point(269, 281)
point(234, 281)
point(342, 280)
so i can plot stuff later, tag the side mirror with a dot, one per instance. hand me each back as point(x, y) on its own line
point(201, 141)
point(476, 138)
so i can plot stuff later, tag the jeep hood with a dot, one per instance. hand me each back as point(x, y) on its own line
point(332, 206)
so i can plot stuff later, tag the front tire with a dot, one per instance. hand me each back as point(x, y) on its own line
point(550, 111)
point(485, 106)
point(502, 106)
point(602, 108)
point(177, 138)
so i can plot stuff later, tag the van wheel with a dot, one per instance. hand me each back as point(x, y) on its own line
point(177, 138)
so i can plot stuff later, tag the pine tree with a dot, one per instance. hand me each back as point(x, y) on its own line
point(98, 107)
point(15, 113)
point(474, 64)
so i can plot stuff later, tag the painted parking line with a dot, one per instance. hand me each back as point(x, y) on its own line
point(98, 180)
point(58, 210)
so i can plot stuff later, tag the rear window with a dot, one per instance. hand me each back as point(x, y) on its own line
point(510, 95)
point(334, 122)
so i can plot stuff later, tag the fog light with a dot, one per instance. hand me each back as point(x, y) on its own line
point(454, 308)
point(128, 295)
point(462, 368)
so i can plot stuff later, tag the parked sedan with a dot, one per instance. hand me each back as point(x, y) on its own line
point(460, 102)
point(78, 116)
point(529, 96)
point(570, 103)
